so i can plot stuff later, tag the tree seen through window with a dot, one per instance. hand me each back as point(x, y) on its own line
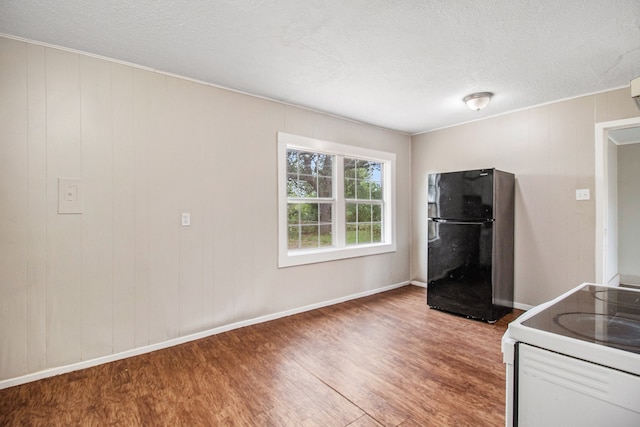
point(363, 201)
point(310, 199)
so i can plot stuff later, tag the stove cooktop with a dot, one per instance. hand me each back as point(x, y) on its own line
point(598, 314)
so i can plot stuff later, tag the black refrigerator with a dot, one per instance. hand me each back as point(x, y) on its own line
point(470, 243)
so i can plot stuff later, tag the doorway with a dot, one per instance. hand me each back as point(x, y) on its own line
point(608, 138)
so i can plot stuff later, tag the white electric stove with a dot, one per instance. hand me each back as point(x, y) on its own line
point(575, 360)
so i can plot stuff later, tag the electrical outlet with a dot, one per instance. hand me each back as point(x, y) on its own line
point(583, 194)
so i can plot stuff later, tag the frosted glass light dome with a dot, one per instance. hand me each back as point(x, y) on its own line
point(477, 101)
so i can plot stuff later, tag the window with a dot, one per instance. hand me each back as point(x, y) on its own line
point(335, 201)
point(363, 201)
point(310, 199)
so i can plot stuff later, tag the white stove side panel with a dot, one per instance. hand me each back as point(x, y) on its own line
point(556, 390)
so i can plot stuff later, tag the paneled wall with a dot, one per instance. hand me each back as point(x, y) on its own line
point(125, 274)
point(551, 150)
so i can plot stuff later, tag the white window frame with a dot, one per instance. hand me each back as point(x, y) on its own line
point(340, 250)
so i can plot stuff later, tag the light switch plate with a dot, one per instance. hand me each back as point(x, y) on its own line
point(583, 194)
point(69, 196)
point(186, 219)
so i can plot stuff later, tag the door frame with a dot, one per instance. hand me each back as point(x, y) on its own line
point(602, 254)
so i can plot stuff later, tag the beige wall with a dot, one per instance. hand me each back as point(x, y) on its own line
point(551, 150)
point(629, 213)
point(125, 274)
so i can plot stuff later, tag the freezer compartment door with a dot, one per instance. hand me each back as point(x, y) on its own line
point(461, 195)
point(460, 268)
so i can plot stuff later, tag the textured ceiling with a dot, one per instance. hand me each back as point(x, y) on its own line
point(402, 65)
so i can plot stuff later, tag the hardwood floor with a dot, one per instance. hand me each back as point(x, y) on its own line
point(382, 360)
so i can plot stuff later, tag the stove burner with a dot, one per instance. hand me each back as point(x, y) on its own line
point(616, 331)
point(602, 295)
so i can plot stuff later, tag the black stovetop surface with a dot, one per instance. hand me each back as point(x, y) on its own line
point(599, 314)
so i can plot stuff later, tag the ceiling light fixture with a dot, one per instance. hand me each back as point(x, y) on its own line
point(477, 101)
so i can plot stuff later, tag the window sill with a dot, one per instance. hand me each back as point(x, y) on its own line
point(312, 256)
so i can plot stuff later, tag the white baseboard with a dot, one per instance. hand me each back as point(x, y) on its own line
point(51, 372)
point(524, 307)
point(417, 283)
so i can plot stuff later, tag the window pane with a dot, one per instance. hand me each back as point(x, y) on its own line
point(364, 233)
point(308, 213)
point(376, 171)
point(363, 191)
point(326, 238)
point(292, 162)
point(362, 171)
point(325, 213)
point(376, 190)
point(309, 175)
point(377, 232)
point(294, 238)
point(301, 186)
point(364, 213)
point(376, 213)
point(325, 187)
point(352, 234)
point(293, 214)
point(363, 179)
point(309, 236)
point(306, 162)
point(308, 185)
point(352, 212)
point(349, 168)
point(325, 165)
point(349, 188)
point(310, 225)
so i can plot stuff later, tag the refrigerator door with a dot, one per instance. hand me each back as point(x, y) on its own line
point(464, 195)
point(460, 268)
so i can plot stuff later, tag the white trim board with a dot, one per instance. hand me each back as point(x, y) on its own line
point(417, 283)
point(520, 306)
point(603, 276)
point(35, 376)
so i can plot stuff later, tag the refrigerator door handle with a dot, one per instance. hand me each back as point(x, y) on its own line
point(453, 221)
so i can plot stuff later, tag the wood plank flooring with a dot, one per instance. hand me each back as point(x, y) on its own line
point(382, 360)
